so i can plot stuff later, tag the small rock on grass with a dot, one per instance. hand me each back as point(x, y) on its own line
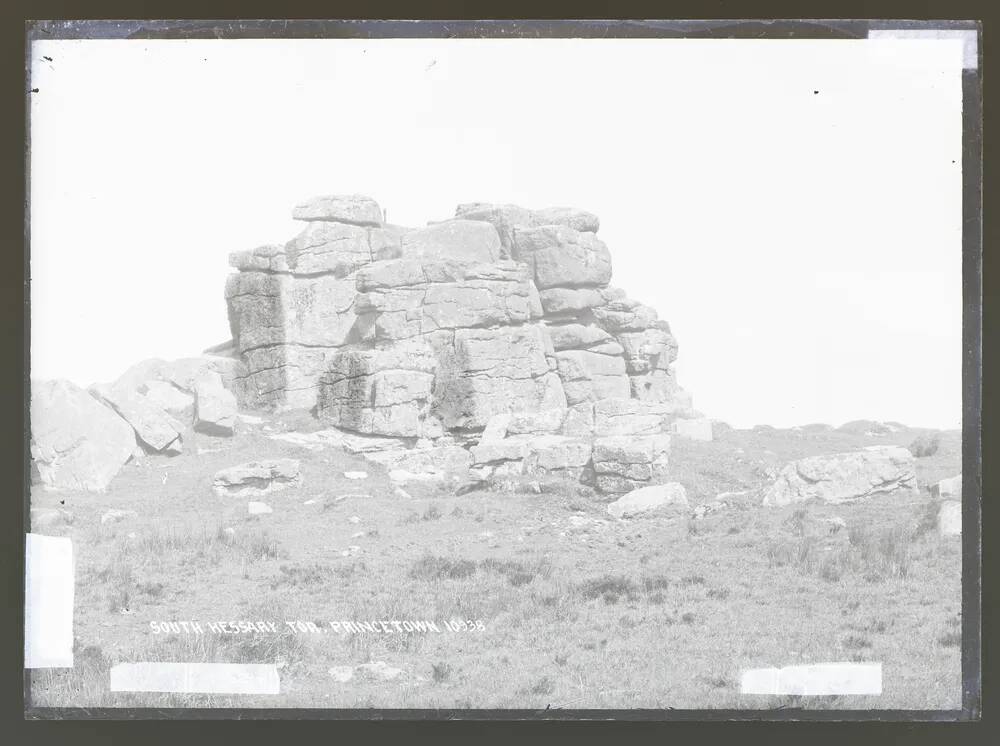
point(342, 674)
point(356, 474)
point(255, 508)
point(400, 492)
point(116, 516)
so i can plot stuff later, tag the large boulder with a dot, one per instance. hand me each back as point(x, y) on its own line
point(485, 372)
point(155, 428)
point(626, 462)
point(169, 398)
point(463, 240)
point(382, 391)
point(569, 302)
point(648, 350)
point(215, 406)
point(630, 417)
point(563, 257)
point(355, 209)
point(571, 217)
point(647, 499)
point(844, 477)
point(591, 376)
point(77, 443)
point(408, 297)
point(339, 248)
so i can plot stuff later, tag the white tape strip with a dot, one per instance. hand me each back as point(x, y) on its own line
point(196, 678)
point(48, 602)
point(814, 680)
point(969, 37)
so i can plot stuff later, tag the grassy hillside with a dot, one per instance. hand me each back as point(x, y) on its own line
point(568, 608)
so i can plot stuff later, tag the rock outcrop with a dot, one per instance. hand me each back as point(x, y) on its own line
point(429, 333)
point(844, 477)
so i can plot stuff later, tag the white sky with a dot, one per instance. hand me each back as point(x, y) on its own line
point(805, 247)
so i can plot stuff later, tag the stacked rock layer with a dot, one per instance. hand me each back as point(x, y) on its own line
point(435, 332)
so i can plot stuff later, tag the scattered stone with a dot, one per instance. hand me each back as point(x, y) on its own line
point(315, 441)
point(257, 508)
point(400, 492)
point(403, 476)
point(117, 516)
point(77, 443)
point(342, 674)
point(646, 499)
point(948, 489)
point(950, 518)
point(257, 478)
point(356, 474)
point(354, 519)
point(844, 477)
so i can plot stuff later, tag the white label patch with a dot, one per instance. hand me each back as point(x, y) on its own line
point(196, 678)
point(48, 602)
point(968, 37)
point(814, 680)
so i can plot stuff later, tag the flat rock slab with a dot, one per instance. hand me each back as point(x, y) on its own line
point(355, 209)
point(257, 478)
point(844, 477)
point(646, 499)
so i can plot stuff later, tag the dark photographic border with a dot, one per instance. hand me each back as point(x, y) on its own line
point(720, 29)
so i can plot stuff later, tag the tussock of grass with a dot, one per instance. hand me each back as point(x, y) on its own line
point(611, 588)
point(440, 672)
point(516, 572)
point(430, 567)
point(950, 639)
